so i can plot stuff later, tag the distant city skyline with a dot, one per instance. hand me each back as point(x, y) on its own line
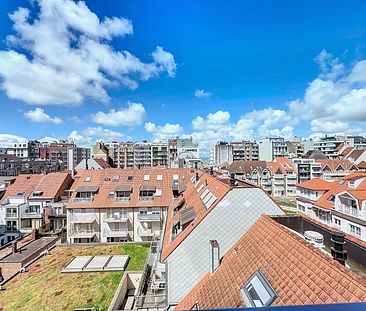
point(119, 71)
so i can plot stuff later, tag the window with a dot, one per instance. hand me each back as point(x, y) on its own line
point(158, 192)
point(258, 292)
point(355, 230)
point(214, 255)
point(111, 194)
point(115, 178)
point(331, 198)
point(130, 178)
point(341, 182)
point(337, 222)
point(175, 177)
point(146, 177)
point(159, 177)
point(87, 178)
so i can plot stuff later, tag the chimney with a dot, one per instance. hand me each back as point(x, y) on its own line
point(34, 234)
point(214, 255)
point(197, 177)
point(337, 250)
point(14, 247)
point(1, 277)
point(86, 164)
point(211, 170)
point(232, 180)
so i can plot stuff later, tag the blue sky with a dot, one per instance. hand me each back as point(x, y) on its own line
point(258, 68)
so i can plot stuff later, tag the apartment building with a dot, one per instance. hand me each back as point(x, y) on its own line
point(82, 154)
point(115, 205)
point(340, 203)
point(334, 169)
point(307, 169)
point(273, 147)
point(245, 150)
point(159, 154)
point(58, 152)
point(32, 200)
point(142, 154)
point(277, 178)
point(184, 152)
point(331, 145)
point(223, 153)
point(20, 150)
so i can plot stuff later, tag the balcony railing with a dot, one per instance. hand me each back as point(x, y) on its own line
point(146, 198)
point(148, 232)
point(122, 199)
point(149, 217)
point(118, 217)
point(31, 215)
point(83, 200)
point(115, 232)
point(82, 233)
point(82, 218)
point(11, 215)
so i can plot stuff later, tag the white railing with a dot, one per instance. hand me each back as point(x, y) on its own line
point(31, 215)
point(82, 218)
point(115, 232)
point(11, 215)
point(149, 216)
point(145, 232)
point(80, 232)
point(122, 199)
point(146, 198)
point(83, 200)
point(118, 217)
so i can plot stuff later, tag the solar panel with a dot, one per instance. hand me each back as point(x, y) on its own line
point(210, 202)
point(199, 188)
point(207, 198)
point(197, 183)
point(204, 193)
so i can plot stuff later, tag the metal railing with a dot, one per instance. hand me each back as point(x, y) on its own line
point(149, 216)
point(118, 217)
point(115, 232)
point(122, 199)
point(146, 198)
point(81, 232)
point(11, 215)
point(83, 200)
point(31, 215)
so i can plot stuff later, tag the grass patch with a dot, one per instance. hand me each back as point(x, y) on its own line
point(286, 203)
point(44, 287)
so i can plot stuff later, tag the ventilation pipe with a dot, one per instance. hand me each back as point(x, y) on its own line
point(14, 247)
point(338, 252)
point(232, 180)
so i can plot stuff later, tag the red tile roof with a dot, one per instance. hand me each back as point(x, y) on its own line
point(299, 273)
point(315, 184)
point(104, 180)
point(102, 163)
point(334, 164)
point(362, 165)
point(49, 184)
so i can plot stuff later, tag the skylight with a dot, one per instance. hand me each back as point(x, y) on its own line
point(175, 177)
point(146, 177)
point(87, 178)
point(257, 292)
point(130, 178)
point(159, 177)
point(115, 178)
point(158, 193)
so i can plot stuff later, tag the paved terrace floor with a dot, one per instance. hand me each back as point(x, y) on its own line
point(7, 250)
point(28, 250)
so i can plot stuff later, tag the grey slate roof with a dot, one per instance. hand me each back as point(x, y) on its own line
point(226, 223)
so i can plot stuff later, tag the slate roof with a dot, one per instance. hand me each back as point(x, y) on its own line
point(299, 273)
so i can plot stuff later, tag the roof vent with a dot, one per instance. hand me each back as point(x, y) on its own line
point(338, 252)
point(232, 180)
point(314, 238)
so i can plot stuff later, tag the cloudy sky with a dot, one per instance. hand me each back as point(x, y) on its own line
point(223, 70)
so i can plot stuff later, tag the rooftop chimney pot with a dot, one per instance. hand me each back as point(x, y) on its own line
point(337, 250)
point(14, 247)
point(232, 180)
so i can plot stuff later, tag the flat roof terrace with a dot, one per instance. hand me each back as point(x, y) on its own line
point(44, 287)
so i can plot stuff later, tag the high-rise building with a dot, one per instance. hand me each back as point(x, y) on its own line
point(272, 147)
point(223, 153)
point(245, 150)
point(159, 153)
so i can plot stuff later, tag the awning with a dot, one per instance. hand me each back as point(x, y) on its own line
point(87, 189)
point(124, 188)
point(187, 215)
point(147, 188)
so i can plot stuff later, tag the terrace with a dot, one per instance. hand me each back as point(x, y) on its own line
point(44, 287)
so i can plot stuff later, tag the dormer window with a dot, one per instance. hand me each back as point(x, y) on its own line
point(37, 193)
point(123, 193)
point(147, 192)
point(85, 194)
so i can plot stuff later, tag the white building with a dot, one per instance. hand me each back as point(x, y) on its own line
point(223, 153)
point(271, 148)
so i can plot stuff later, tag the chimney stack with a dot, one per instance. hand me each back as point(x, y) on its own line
point(337, 250)
point(34, 234)
point(232, 180)
point(211, 170)
point(14, 247)
point(197, 177)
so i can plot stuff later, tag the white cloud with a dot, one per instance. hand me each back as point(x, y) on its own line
point(202, 94)
point(162, 132)
point(69, 56)
point(38, 115)
point(7, 140)
point(335, 99)
point(90, 135)
point(75, 119)
point(133, 115)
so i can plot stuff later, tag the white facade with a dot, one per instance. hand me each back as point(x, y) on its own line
point(223, 153)
point(21, 150)
point(114, 224)
point(271, 148)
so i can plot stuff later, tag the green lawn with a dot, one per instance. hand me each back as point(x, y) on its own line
point(44, 287)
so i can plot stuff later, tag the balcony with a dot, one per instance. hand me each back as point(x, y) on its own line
point(118, 218)
point(82, 233)
point(122, 199)
point(116, 233)
point(143, 232)
point(146, 198)
point(149, 217)
point(83, 200)
point(31, 215)
point(11, 215)
point(82, 218)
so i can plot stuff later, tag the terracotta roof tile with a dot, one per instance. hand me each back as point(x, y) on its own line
point(277, 248)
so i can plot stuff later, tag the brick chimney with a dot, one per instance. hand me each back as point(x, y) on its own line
point(14, 247)
point(34, 234)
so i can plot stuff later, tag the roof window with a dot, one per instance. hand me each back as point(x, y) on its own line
point(159, 177)
point(258, 292)
point(146, 177)
point(87, 178)
point(115, 178)
point(130, 178)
